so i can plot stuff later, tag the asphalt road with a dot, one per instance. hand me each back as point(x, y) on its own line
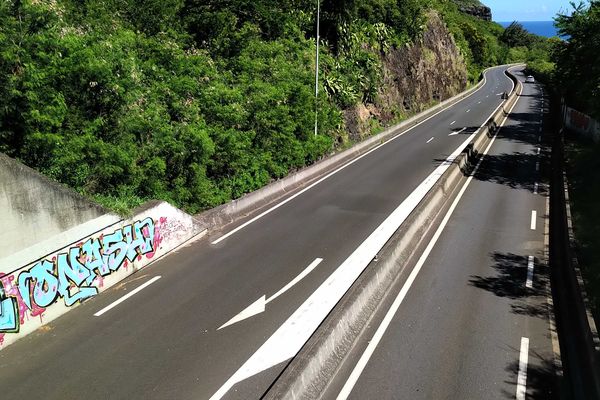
point(470, 324)
point(164, 341)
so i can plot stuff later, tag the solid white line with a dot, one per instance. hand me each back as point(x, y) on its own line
point(522, 377)
point(239, 228)
point(128, 295)
point(530, 266)
point(287, 287)
point(533, 220)
point(452, 123)
point(374, 342)
point(429, 141)
point(536, 188)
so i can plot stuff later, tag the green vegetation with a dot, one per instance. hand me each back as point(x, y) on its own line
point(577, 78)
point(578, 59)
point(583, 165)
point(197, 101)
point(478, 40)
point(534, 50)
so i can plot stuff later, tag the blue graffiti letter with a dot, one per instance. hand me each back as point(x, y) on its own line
point(93, 259)
point(114, 250)
point(9, 320)
point(46, 284)
point(73, 271)
point(141, 244)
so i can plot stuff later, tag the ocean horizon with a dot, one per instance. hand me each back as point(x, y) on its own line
point(541, 28)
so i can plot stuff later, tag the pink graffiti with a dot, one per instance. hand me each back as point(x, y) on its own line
point(580, 120)
point(11, 289)
point(158, 228)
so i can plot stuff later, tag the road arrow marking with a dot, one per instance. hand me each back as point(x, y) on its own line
point(457, 132)
point(259, 305)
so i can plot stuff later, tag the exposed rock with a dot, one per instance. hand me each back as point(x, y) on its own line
point(414, 77)
point(482, 12)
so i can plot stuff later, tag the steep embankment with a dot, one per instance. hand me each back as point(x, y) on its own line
point(414, 77)
point(199, 102)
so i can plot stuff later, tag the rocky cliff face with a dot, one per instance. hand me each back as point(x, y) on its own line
point(479, 11)
point(414, 77)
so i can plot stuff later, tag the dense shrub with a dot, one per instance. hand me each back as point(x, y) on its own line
point(197, 101)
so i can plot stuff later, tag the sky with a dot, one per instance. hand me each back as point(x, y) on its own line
point(526, 10)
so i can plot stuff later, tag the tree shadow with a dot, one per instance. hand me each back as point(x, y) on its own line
point(540, 377)
point(512, 170)
point(509, 282)
point(511, 272)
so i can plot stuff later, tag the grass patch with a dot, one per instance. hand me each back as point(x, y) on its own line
point(583, 171)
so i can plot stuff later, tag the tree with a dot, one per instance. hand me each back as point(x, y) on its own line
point(578, 59)
point(515, 35)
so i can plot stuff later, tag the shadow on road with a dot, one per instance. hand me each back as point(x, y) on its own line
point(540, 375)
point(508, 281)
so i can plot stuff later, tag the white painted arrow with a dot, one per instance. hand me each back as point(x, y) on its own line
point(457, 132)
point(259, 305)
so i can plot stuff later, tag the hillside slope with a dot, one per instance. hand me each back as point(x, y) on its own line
point(198, 102)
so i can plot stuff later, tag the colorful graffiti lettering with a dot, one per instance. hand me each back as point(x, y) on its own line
point(74, 275)
point(580, 120)
point(8, 312)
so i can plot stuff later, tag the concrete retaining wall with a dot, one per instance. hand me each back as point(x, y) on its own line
point(35, 209)
point(36, 293)
point(309, 373)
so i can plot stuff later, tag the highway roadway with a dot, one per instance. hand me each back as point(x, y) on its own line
point(475, 323)
point(164, 341)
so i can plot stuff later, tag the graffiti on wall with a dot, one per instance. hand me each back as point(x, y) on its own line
point(579, 120)
point(582, 124)
point(73, 275)
point(8, 312)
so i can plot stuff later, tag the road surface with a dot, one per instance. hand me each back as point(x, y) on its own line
point(475, 323)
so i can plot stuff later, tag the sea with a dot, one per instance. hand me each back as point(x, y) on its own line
point(541, 28)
